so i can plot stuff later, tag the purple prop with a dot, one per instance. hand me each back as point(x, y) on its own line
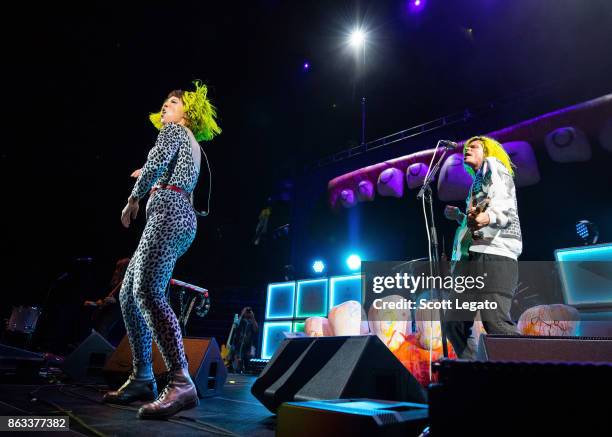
point(391, 183)
point(365, 191)
point(590, 117)
point(521, 154)
point(605, 136)
point(454, 182)
point(347, 197)
point(415, 174)
point(568, 144)
point(371, 173)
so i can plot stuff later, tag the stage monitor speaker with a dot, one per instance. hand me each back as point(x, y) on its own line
point(545, 349)
point(354, 417)
point(86, 362)
point(19, 362)
point(518, 398)
point(206, 366)
point(287, 353)
point(305, 369)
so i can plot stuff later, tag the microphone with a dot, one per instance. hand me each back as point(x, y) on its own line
point(449, 145)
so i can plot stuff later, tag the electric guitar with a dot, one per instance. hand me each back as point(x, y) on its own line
point(227, 349)
point(465, 235)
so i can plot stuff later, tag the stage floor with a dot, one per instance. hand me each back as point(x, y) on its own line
point(235, 412)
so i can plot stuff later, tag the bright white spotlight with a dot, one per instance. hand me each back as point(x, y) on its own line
point(353, 262)
point(357, 38)
point(318, 266)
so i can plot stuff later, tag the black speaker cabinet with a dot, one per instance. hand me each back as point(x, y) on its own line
point(545, 349)
point(305, 369)
point(206, 366)
point(86, 362)
point(490, 398)
point(21, 363)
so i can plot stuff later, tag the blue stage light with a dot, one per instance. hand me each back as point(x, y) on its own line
point(354, 262)
point(587, 232)
point(280, 302)
point(343, 288)
point(273, 335)
point(311, 298)
point(318, 266)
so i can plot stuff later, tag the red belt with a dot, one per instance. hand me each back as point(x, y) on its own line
point(169, 187)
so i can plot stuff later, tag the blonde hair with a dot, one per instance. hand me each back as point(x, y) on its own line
point(200, 113)
point(492, 148)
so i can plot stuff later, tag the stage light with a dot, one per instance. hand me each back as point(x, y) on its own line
point(306, 66)
point(587, 232)
point(280, 300)
point(343, 288)
point(357, 38)
point(318, 266)
point(273, 336)
point(353, 262)
point(416, 6)
point(311, 298)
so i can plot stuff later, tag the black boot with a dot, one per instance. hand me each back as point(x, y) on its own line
point(179, 394)
point(133, 390)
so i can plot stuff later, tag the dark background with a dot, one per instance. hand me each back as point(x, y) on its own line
point(82, 79)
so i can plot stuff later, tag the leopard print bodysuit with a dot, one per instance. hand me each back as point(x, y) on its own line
point(169, 231)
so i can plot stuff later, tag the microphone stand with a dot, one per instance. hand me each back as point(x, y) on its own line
point(425, 194)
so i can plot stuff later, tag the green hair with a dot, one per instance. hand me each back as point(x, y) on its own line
point(199, 112)
point(492, 148)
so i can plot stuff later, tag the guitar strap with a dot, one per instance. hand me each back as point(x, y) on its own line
point(477, 184)
point(474, 188)
point(204, 213)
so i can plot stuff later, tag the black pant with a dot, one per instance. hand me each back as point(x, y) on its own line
point(501, 279)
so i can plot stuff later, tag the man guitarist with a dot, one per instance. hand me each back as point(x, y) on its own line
point(493, 240)
point(106, 319)
point(244, 340)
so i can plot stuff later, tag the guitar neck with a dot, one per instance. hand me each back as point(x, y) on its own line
point(229, 337)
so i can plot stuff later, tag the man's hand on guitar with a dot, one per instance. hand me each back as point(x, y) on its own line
point(477, 220)
point(109, 300)
point(452, 212)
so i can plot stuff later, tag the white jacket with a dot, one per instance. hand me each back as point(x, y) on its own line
point(502, 236)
